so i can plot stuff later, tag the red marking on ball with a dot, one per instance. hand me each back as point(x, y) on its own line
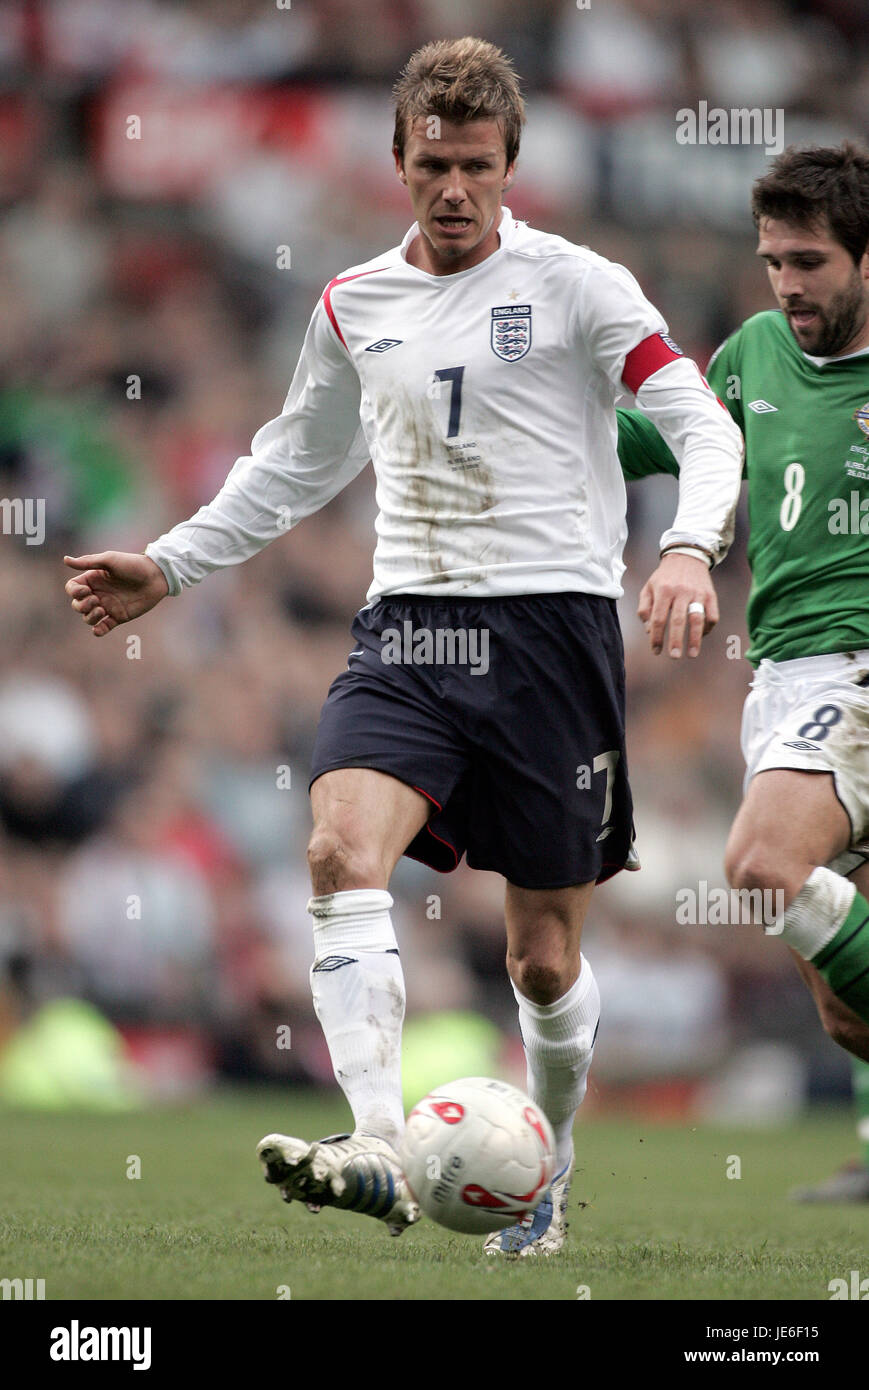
point(449, 1111)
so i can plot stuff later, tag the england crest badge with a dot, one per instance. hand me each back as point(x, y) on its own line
point(511, 331)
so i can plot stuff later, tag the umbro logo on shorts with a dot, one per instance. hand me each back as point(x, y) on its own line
point(384, 344)
point(761, 407)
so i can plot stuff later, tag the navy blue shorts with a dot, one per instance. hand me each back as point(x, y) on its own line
point(508, 714)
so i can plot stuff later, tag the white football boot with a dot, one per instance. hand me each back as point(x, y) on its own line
point(356, 1172)
point(543, 1231)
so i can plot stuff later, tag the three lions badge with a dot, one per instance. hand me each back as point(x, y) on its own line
point(511, 331)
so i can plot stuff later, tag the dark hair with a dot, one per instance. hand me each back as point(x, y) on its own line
point(460, 80)
point(817, 184)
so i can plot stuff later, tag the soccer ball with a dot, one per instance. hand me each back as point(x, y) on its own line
point(478, 1155)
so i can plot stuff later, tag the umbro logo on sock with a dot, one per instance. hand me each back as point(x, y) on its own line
point(334, 963)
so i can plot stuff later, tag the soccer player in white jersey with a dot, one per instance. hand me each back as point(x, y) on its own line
point(482, 711)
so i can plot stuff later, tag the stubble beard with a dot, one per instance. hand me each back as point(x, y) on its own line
point(840, 323)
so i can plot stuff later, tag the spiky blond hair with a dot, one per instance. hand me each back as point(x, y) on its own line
point(460, 80)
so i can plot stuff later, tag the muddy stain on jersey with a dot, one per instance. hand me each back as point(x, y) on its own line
point(447, 488)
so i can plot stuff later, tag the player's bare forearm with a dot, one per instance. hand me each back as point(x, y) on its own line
point(681, 593)
point(114, 587)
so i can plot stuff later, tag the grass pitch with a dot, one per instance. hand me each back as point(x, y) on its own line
point(662, 1220)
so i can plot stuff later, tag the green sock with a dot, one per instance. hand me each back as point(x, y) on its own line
point(844, 961)
point(860, 1074)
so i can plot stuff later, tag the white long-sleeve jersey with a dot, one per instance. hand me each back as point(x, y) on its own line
point(485, 400)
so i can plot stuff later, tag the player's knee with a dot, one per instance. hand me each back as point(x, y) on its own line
point(539, 979)
point(756, 866)
point(336, 866)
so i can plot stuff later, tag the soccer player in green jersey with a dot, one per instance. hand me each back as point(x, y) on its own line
point(796, 380)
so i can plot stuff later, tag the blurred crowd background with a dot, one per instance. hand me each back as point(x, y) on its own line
point(156, 280)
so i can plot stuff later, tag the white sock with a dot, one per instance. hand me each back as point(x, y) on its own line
point(817, 912)
point(558, 1042)
point(358, 990)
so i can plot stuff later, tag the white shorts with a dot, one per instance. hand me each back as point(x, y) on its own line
point(812, 715)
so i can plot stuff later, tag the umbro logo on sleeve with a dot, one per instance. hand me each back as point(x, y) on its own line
point(384, 344)
point(761, 407)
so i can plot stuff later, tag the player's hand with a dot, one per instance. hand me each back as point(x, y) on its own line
point(678, 581)
point(114, 587)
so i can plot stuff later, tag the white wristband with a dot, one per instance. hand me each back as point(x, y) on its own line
point(693, 550)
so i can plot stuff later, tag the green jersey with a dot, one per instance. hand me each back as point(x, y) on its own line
point(806, 431)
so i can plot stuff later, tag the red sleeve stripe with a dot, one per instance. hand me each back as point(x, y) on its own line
point(647, 357)
point(327, 296)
